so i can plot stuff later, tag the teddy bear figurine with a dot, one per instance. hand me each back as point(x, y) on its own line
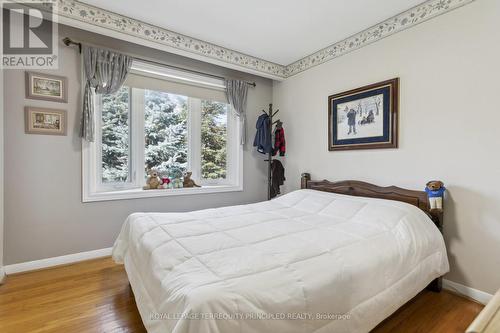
point(435, 191)
point(153, 182)
point(188, 182)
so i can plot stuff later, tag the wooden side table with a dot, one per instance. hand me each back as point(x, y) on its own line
point(488, 320)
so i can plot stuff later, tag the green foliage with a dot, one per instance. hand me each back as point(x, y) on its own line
point(115, 136)
point(213, 140)
point(166, 133)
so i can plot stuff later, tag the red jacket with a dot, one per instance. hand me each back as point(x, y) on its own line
point(279, 142)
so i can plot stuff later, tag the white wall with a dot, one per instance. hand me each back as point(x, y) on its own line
point(449, 127)
point(2, 274)
point(44, 213)
point(1, 174)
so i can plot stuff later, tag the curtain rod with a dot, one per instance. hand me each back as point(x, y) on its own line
point(69, 42)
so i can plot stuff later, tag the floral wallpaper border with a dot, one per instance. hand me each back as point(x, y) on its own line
point(92, 15)
point(106, 19)
point(405, 20)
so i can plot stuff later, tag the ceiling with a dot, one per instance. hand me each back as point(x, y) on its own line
point(280, 31)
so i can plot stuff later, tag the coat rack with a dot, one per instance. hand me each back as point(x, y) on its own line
point(269, 160)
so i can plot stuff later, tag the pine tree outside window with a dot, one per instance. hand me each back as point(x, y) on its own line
point(162, 120)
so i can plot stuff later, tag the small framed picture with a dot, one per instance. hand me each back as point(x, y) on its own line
point(364, 118)
point(45, 121)
point(46, 87)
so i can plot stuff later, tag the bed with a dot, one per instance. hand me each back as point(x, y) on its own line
point(331, 257)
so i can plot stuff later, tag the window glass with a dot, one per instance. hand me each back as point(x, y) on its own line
point(155, 122)
point(213, 140)
point(115, 136)
point(166, 133)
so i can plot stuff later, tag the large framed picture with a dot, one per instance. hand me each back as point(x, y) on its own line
point(364, 118)
point(45, 121)
point(46, 87)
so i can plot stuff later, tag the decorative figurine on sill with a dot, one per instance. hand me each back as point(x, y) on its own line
point(188, 182)
point(435, 190)
point(165, 181)
point(153, 182)
point(174, 183)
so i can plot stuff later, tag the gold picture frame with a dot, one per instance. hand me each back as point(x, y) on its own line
point(45, 121)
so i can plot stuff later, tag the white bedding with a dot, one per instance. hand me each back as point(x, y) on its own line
point(308, 261)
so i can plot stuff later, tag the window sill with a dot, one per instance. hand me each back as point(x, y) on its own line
point(140, 193)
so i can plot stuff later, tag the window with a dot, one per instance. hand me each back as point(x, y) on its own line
point(213, 140)
point(166, 133)
point(115, 137)
point(166, 120)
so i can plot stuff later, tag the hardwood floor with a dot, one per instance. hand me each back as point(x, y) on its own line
point(442, 312)
point(94, 296)
point(91, 296)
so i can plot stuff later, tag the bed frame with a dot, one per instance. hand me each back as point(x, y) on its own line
point(362, 189)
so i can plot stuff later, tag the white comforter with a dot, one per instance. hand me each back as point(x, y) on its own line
point(308, 261)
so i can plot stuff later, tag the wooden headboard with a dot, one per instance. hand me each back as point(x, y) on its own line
point(362, 189)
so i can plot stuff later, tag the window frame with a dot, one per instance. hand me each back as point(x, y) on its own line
point(93, 189)
point(131, 182)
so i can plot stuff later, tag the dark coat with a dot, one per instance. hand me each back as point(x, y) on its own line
point(263, 136)
point(277, 177)
point(351, 117)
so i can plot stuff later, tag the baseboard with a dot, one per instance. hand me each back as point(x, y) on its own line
point(56, 261)
point(2, 274)
point(477, 295)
